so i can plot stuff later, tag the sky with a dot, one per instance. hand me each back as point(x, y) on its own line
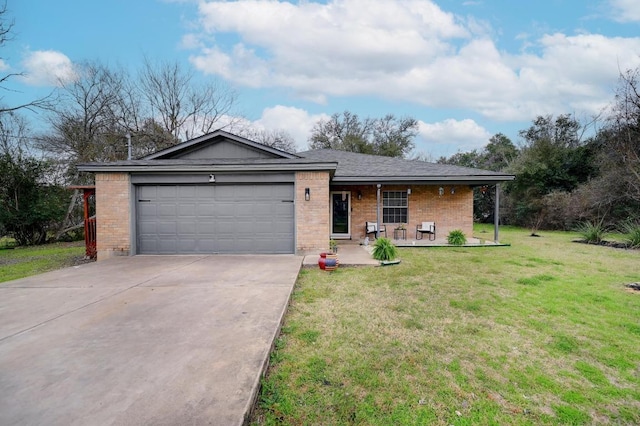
point(466, 70)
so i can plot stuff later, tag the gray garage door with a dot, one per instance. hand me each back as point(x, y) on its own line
point(182, 219)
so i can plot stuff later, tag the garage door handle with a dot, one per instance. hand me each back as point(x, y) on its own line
point(144, 201)
point(287, 201)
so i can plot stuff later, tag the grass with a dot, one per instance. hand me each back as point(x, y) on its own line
point(22, 262)
point(541, 332)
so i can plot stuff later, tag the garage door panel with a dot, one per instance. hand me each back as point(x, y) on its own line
point(164, 192)
point(215, 218)
point(167, 210)
point(166, 228)
point(167, 246)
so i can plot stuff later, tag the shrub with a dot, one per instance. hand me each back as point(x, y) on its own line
point(456, 238)
point(592, 232)
point(383, 249)
point(632, 233)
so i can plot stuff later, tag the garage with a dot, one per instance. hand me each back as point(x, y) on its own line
point(246, 218)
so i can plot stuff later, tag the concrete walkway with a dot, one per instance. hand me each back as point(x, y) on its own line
point(162, 340)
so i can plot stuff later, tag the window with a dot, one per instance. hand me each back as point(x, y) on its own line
point(394, 207)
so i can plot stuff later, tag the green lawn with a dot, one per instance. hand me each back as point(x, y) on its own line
point(21, 262)
point(541, 332)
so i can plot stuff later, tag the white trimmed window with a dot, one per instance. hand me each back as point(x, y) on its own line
point(394, 206)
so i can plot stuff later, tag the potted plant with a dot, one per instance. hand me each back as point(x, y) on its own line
point(333, 246)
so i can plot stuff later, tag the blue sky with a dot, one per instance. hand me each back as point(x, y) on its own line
point(465, 70)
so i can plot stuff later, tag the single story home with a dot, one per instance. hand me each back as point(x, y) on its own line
point(222, 193)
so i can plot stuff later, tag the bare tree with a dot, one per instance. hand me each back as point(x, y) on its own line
point(86, 125)
point(184, 107)
point(279, 139)
point(623, 134)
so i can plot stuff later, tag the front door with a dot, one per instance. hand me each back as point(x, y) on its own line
point(341, 214)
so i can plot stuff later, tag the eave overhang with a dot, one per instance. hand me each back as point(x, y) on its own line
point(421, 180)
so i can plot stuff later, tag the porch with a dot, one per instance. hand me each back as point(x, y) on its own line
point(355, 253)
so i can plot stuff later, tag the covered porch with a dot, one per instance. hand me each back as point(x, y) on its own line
point(398, 211)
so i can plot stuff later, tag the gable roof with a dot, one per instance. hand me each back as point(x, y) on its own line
point(238, 154)
point(364, 168)
point(216, 137)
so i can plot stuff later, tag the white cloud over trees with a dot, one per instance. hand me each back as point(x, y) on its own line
point(47, 68)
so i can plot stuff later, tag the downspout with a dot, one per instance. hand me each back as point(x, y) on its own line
point(378, 212)
point(496, 216)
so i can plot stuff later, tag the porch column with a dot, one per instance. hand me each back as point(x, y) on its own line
point(378, 212)
point(496, 216)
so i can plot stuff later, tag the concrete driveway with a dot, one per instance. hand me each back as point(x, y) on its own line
point(162, 340)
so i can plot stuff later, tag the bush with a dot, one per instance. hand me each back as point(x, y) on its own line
point(383, 249)
point(632, 233)
point(456, 238)
point(592, 232)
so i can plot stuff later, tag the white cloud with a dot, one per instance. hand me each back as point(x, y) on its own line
point(47, 68)
point(443, 137)
point(295, 121)
point(626, 10)
point(410, 51)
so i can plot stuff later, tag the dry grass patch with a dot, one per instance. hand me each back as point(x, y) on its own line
point(542, 332)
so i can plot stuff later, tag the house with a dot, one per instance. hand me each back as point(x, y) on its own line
point(222, 193)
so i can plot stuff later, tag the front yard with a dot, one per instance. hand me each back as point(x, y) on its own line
point(542, 332)
point(20, 262)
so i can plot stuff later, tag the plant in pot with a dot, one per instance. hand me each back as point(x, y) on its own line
point(385, 251)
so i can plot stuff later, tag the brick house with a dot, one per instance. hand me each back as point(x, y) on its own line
point(221, 193)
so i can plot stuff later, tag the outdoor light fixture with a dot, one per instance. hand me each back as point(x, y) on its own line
point(408, 191)
point(453, 190)
point(441, 191)
point(307, 194)
point(359, 195)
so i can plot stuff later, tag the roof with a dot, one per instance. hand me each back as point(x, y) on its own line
point(347, 168)
point(216, 135)
point(364, 168)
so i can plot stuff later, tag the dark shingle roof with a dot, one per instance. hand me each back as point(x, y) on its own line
point(354, 167)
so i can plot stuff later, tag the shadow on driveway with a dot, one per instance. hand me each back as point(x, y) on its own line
point(141, 340)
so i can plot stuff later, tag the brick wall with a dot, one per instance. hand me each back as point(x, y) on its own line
point(449, 211)
point(113, 192)
point(312, 217)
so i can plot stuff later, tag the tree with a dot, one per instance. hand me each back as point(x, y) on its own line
point(389, 136)
point(182, 106)
point(279, 139)
point(393, 137)
point(495, 156)
point(86, 125)
point(552, 159)
point(621, 156)
point(30, 203)
point(344, 132)
point(499, 153)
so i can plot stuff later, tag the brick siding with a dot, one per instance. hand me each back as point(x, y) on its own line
point(312, 217)
point(449, 211)
point(113, 193)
